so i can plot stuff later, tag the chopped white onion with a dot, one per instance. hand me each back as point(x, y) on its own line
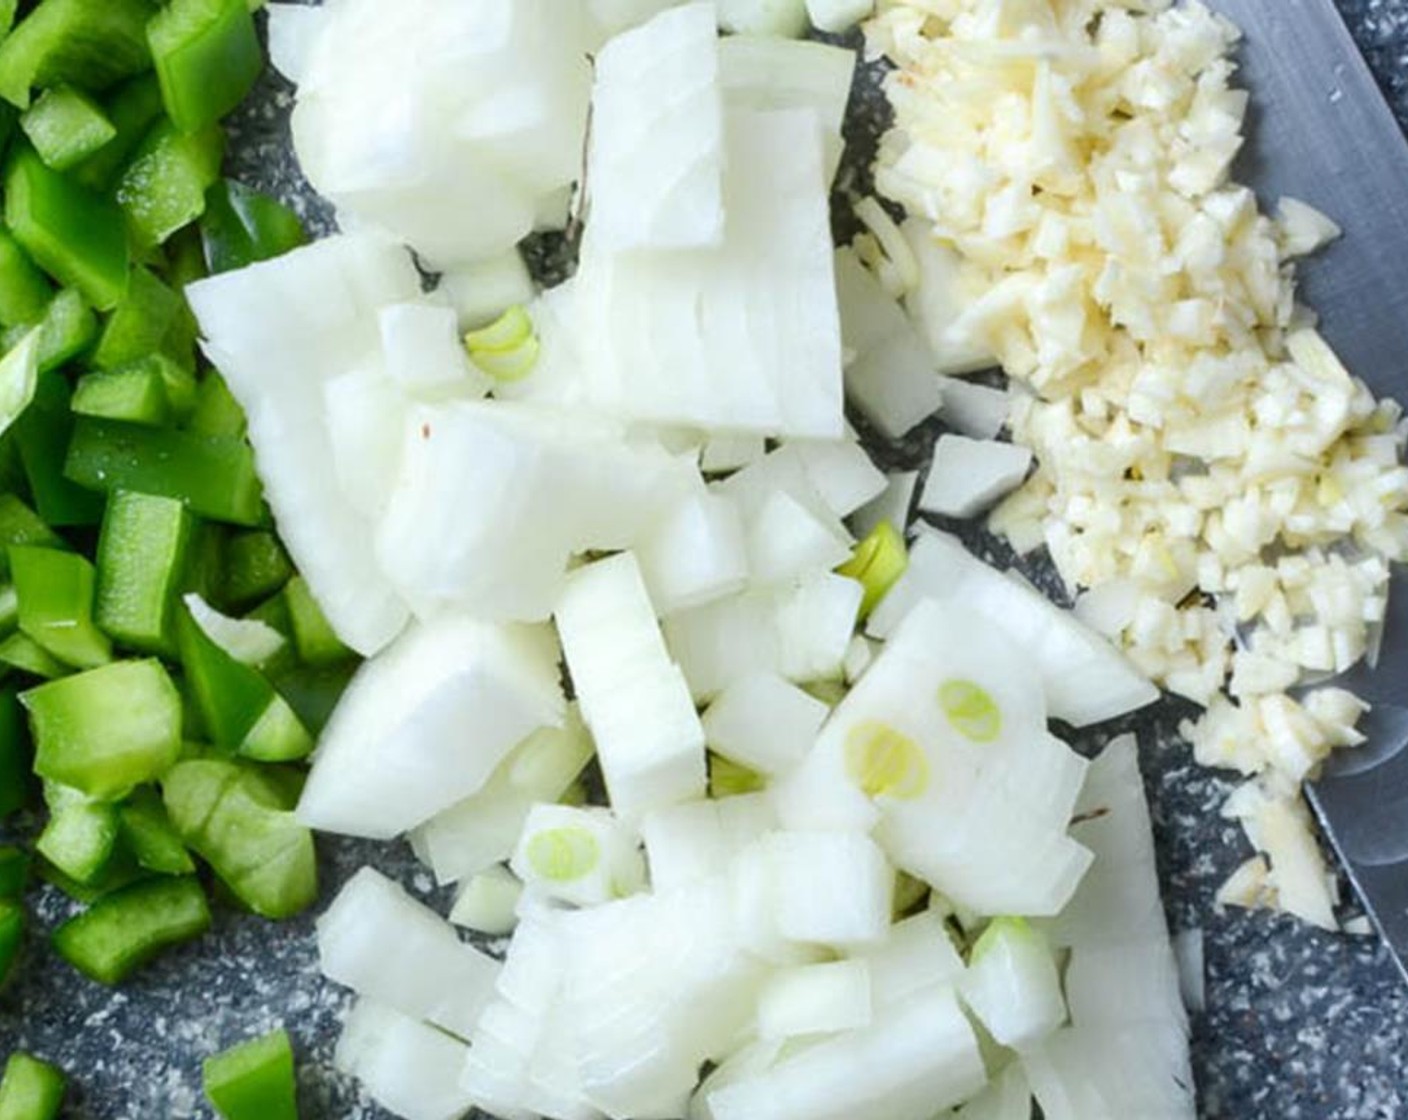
point(973, 409)
point(279, 331)
point(764, 723)
point(583, 856)
point(633, 697)
point(487, 902)
point(969, 475)
point(1087, 680)
point(424, 724)
point(917, 1060)
point(406, 1066)
point(815, 999)
point(388, 947)
point(655, 169)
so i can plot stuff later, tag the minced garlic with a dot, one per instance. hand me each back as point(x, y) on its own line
point(1204, 457)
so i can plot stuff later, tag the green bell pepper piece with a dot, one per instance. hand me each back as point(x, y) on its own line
point(151, 837)
point(239, 707)
point(142, 554)
point(215, 477)
point(177, 382)
point(242, 226)
point(239, 819)
point(207, 57)
point(126, 929)
point(313, 635)
point(14, 871)
point(163, 188)
point(66, 127)
point(42, 434)
point(108, 730)
point(67, 327)
point(79, 837)
point(21, 525)
point(23, 653)
point(254, 1080)
point(88, 43)
point(139, 324)
point(133, 108)
point(207, 557)
point(216, 413)
point(73, 233)
point(185, 264)
point(15, 760)
point(25, 291)
point(313, 691)
point(255, 567)
point(31, 1089)
point(55, 590)
point(135, 395)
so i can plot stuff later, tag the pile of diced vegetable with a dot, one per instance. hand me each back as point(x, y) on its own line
point(164, 667)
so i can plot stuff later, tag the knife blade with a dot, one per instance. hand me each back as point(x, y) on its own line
point(1321, 131)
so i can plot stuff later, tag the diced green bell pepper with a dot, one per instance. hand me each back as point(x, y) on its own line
point(25, 291)
point(216, 413)
point(66, 127)
point(178, 383)
point(313, 635)
point(215, 477)
point(128, 928)
point(207, 557)
point(238, 818)
point(241, 226)
point(239, 707)
point(108, 730)
point(88, 43)
point(134, 395)
point(55, 590)
point(185, 258)
point(19, 377)
point(207, 57)
point(142, 554)
point(255, 567)
point(79, 837)
point(15, 761)
point(139, 323)
point(133, 108)
point(23, 653)
point(42, 434)
point(254, 1080)
point(185, 264)
point(163, 188)
point(67, 328)
point(121, 871)
point(9, 609)
point(313, 691)
point(151, 837)
point(73, 233)
point(21, 525)
point(31, 1089)
point(14, 871)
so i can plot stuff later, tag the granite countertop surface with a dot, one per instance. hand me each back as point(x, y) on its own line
point(1299, 1024)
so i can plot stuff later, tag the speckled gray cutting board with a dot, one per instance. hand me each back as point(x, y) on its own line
point(1299, 1025)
